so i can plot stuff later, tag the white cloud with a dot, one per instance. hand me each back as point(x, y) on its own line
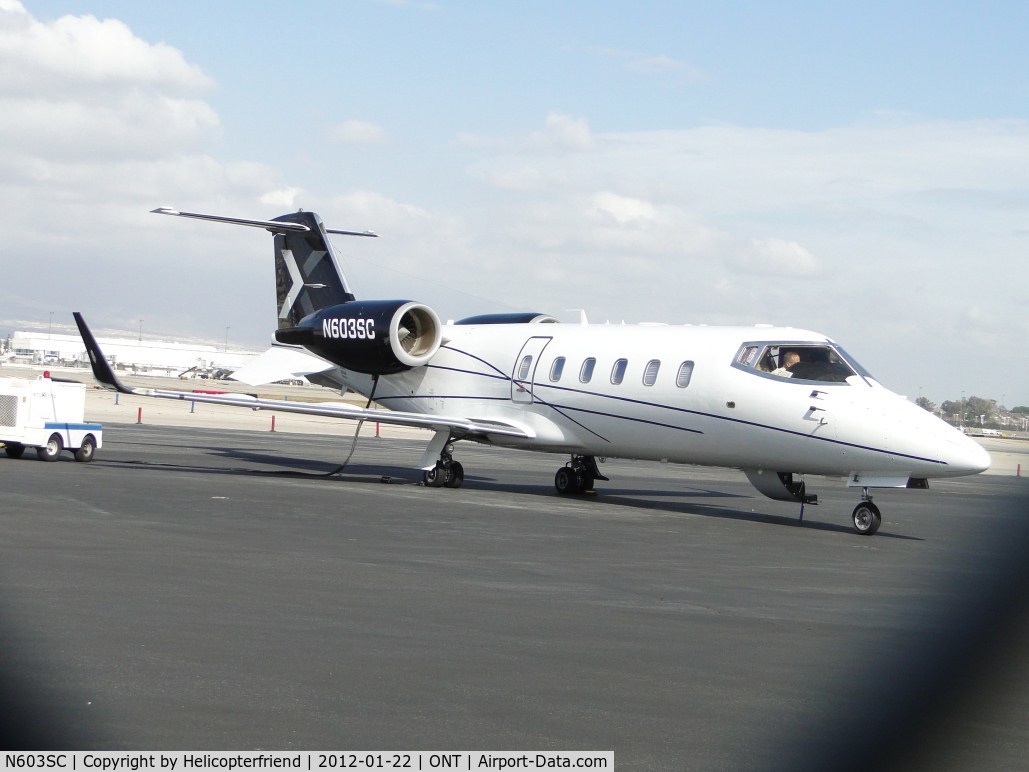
point(652, 64)
point(776, 257)
point(126, 124)
point(79, 87)
point(524, 178)
point(624, 209)
point(281, 198)
point(563, 132)
point(77, 53)
point(358, 133)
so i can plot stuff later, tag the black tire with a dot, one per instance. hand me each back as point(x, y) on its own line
point(435, 477)
point(52, 450)
point(867, 518)
point(455, 475)
point(565, 481)
point(14, 450)
point(87, 450)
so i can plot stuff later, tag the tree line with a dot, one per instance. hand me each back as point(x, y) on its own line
point(977, 411)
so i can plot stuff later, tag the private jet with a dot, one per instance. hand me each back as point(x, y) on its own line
point(776, 403)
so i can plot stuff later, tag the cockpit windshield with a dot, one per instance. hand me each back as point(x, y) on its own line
point(822, 362)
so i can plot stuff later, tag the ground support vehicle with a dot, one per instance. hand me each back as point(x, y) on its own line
point(47, 415)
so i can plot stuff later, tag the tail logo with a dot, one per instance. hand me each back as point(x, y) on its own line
point(297, 283)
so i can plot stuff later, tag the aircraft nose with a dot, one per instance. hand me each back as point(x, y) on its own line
point(965, 456)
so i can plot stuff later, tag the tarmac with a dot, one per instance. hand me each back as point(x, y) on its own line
point(205, 584)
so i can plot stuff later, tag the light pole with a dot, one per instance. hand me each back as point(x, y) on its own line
point(50, 326)
point(226, 348)
point(140, 330)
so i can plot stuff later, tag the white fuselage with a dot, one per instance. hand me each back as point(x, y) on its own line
point(729, 412)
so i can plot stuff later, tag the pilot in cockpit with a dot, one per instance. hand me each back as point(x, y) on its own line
point(789, 359)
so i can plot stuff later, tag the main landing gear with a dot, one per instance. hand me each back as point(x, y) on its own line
point(447, 473)
point(578, 475)
point(867, 517)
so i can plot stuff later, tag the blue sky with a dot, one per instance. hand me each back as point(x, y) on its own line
point(858, 169)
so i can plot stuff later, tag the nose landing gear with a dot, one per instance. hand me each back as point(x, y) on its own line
point(867, 517)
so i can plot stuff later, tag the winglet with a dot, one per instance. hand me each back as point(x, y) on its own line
point(101, 367)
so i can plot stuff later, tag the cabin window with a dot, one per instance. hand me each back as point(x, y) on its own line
point(557, 368)
point(523, 367)
point(586, 371)
point(650, 374)
point(618, 371)
point(682, 378)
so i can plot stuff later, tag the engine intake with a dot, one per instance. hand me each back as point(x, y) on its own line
point(377, 337)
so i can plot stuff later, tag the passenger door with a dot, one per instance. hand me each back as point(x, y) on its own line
point(524, 371)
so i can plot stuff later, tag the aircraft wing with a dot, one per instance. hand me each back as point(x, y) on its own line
point(280, 362)
point(456, 426)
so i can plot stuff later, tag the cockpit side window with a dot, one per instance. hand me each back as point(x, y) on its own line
point(804, 361)
point(747, 356)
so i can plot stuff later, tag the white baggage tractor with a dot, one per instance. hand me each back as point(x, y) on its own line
point(48, 416)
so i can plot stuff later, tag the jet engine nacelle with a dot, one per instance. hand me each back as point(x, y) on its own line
point(377, 337)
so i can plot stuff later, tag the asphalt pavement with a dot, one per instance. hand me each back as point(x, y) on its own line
point(210, 589)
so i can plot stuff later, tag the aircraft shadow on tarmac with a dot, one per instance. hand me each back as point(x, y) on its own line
point(682, 500)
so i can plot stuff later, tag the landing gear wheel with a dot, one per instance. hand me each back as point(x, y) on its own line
point(566, 481)
point(435, 477)
point(14, 450)
point(87, 450)
point(455, 475)
point(867, 518)
point(52, 450)
point(578, 476)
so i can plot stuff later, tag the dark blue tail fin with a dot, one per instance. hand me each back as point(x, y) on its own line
point(307, 276)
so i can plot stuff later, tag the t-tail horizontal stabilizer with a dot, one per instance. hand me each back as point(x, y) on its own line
point(275, 226)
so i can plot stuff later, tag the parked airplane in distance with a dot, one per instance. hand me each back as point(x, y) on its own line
point(774, 402)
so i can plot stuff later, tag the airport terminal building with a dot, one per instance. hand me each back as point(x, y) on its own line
point(150, 356)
